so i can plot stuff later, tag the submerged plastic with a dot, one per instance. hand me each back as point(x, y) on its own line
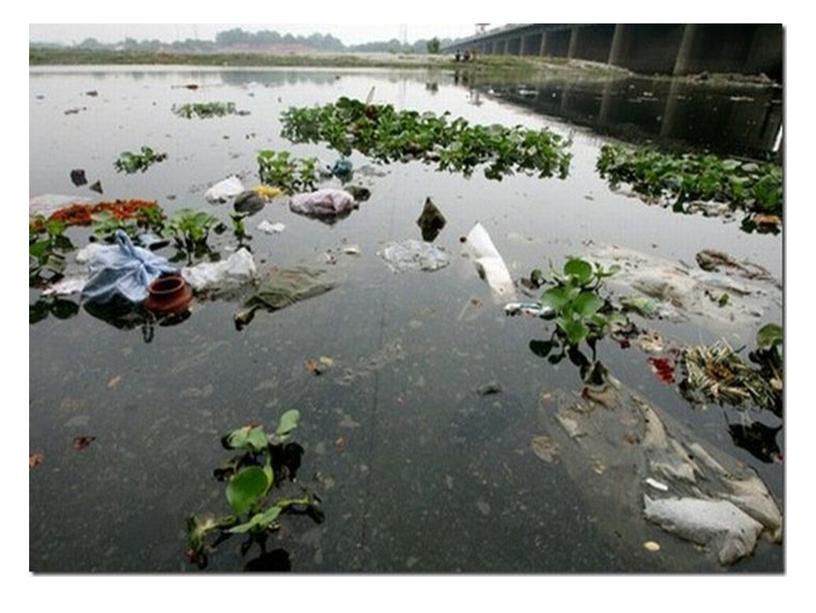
point(413, 255)
point(122, 270)
point(323, 203)
point(489, 262)
point(280, 288)
point(237, 269)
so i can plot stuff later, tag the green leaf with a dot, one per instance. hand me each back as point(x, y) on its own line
point(580, 270)
point(250, 437)
point(586, 304)
point(575, 330)
point(246, 488)
point(556, 297)
point(260, 521)
point(769, 336)
point(287, 423)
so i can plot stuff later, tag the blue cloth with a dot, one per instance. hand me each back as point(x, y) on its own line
point(342, 167)
point(123, 270)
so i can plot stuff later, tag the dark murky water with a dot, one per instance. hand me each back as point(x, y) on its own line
point(411, 481)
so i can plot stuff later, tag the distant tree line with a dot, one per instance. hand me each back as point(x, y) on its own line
point(238, 38)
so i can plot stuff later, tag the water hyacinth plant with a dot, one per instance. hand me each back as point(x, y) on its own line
point(264, 463)
point(130, 162)
point(206, 110)
point(279, 169)
point(683, 178)
point(385, 134)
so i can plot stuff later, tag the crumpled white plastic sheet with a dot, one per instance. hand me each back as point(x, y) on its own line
point(224, 190)
point(237, 269)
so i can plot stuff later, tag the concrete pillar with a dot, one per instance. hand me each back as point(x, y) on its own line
point(573, 43)
point(542, 50)
point(683, 64)
point(617, 50)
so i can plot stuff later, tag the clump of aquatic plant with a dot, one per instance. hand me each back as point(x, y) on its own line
point(265, 463)
point(106, 222)
point(46, 245)
point(579, 311)
point(190, 229)
point(717, 373)
point(239, 226)
point(683, 178)
point(280, 169)
point(205, 110)
point(386, 134)
point(130, 162)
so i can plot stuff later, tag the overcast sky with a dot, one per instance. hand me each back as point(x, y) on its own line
point(348, 33)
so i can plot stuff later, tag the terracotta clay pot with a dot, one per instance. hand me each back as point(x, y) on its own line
point(169, 295)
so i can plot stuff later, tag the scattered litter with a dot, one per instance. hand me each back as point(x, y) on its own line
point(663, 368)
point(323, 203)
point(717, 373)
point(224, 190)
point(122, 270)
point(96, 187)
point(544, 448)
point(649, 308)
point(249, 202)
point(236, 270)
point(718, 524)
point(268, 191)
point(366, 366)
point(352, 250)
point(150, 241)
point(431, 221)
point(657, 484)
point(313, 366)
point(489, 388)
point(360, 193)
point(66, 287)
point(651, 546)
point(712, 260)
point(342, 168)
point(78, 177)
point(271, 228)
point(85, 254)
point(116, 380)
point(711, 209)
point(35, 459)
point(281, 287)
point(82, 442)
point(534, 309)
point(715, 499)
point(410, 255)
point(489, 262)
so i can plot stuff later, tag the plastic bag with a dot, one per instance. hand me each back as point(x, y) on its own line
point(122, 270)
point(323, 203)
point(224, 190)
point(490, 262)
point(271, 228)
point(413, 255)
point(237, 269)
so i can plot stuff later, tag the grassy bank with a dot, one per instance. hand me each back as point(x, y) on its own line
point(527, 67)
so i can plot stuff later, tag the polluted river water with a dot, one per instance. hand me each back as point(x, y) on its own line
point(418, 468)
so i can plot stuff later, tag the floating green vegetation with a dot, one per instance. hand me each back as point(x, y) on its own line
point(719, 374)
point(206, 110)
point(383, 133)
point(580, 312)
point(106, 223)
point(46, 245)
point(265, 463)
point(190, 230)
point(754, 187)
point(131, 162)
point(292, 175)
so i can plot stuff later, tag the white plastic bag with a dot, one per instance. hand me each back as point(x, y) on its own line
point(224, 190)
point(490, 262)
point(237, 269)
point(271, 228)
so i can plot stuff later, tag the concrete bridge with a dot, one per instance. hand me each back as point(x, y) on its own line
point(673, 49)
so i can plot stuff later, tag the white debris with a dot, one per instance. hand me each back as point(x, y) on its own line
point(718, 524)
point(323, 203)
point(237, 269)
point(66, 287)
point(45, 204)
point(87, 253)
point(271, 228)
point(413, 255)
point(657, 484)
point(489, 262)
point(224, 190)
